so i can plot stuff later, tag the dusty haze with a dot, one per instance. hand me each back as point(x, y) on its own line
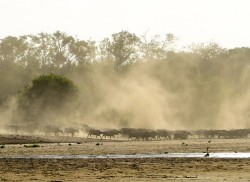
point(139, 99)
point(155, 96)
point(204, 87)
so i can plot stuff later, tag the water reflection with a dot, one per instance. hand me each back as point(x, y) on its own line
point(123, 156)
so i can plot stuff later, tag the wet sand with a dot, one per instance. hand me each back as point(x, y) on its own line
point(139, 169)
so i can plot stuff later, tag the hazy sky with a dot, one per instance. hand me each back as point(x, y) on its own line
point(223, 21)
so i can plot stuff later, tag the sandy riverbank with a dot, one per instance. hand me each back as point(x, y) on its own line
point(157, 169)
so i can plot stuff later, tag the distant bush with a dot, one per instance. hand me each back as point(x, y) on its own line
point(32, 146)
point(47, 94)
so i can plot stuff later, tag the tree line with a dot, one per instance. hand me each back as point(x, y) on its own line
point(204, 76)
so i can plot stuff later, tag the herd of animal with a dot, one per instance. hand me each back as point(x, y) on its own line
point(129, 133)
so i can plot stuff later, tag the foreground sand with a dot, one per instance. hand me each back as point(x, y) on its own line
point(157, 169)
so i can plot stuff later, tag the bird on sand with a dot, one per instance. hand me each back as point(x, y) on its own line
point(207, 154)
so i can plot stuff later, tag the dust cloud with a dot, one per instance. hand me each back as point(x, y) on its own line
point(185, 90)
point(159, 95)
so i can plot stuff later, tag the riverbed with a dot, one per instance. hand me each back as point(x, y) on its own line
point(39, 158)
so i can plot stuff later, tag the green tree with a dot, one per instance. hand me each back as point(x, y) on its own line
point(49, 96)
point(13, 50)
point(52, 49)
point(122, 48)
point(59, 50)
point(14, 53)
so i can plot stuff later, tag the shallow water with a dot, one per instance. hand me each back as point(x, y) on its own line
point(124, 156)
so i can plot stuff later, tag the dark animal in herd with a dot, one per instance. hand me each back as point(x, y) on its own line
point(95, 132)
point(144, 134)
point(110, 133)
point(161, 133)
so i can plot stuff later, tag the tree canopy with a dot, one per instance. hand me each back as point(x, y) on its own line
point(48, 95)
